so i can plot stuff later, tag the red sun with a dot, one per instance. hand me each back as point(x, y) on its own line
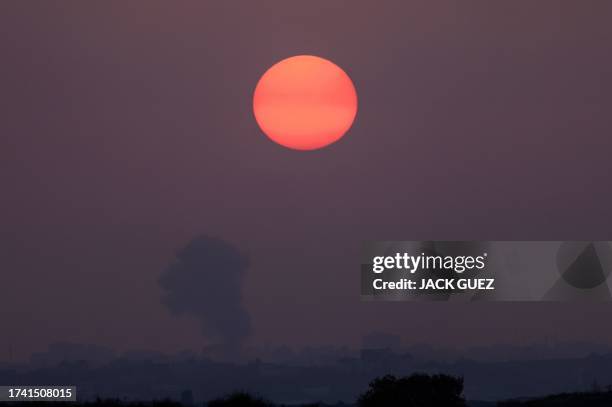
point(305, 102)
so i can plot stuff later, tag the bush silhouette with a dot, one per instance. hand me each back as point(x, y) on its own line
point(239, 399)
point(592, 399)
point(418, 390)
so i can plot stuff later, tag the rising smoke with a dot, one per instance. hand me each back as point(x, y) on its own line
point(205, 281)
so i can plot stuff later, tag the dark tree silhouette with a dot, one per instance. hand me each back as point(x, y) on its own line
point(590, 399)
point(239, 399)
point(418, 390)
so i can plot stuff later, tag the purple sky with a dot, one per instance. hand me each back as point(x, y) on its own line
point(126, 129)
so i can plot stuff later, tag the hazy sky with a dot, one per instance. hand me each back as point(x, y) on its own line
point(126, 129)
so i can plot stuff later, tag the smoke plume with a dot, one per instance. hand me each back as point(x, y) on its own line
point(205, 281)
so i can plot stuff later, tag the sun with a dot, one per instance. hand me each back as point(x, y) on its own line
point(305, 102)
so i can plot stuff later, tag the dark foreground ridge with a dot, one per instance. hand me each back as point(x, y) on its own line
point(417, 390)
point(332, 375)
point(593, 399)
